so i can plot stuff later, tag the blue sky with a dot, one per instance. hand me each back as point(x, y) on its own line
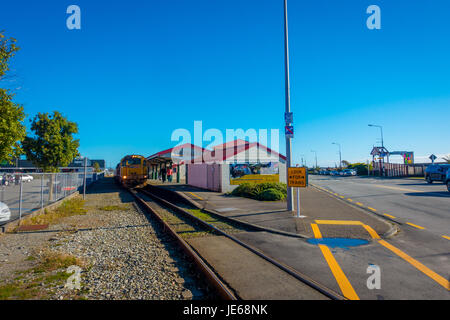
point(138, 70)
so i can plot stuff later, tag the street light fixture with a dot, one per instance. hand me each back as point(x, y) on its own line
point(381, 128)
point(316, 156)
point(340, 156)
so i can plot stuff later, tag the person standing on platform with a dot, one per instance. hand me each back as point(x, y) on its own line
point(163, 174)
point(169, 174)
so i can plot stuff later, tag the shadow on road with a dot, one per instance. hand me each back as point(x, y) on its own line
point(440, 194)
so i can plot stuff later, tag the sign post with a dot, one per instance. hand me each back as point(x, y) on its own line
point(298, 178)
point(432, 158)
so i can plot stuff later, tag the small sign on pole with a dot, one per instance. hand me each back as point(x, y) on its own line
point(289, 118)
point(432, 158)
point(289, 131)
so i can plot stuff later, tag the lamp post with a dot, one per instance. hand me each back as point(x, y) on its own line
point(340, 155)
point(290, 194)
point(381, 128)
point(316, 156)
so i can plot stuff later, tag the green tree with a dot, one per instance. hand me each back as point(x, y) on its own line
point(12, 130)
point(97, 167)
point(53, 144)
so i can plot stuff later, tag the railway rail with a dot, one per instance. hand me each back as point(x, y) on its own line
point(182, 222)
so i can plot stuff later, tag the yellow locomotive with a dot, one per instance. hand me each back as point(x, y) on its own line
point(132, 170)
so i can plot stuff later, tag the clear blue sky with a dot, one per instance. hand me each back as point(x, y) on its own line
point(137, 70)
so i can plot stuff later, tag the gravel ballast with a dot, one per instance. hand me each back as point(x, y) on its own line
point(125, 254)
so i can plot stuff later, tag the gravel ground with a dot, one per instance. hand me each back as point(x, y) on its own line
point(125, 254)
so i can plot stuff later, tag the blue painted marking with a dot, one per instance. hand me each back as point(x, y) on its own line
point(344, 243)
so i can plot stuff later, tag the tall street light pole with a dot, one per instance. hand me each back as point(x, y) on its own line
point(316, 156)
point(290, 195)
point(381, 128)
point(340, 156)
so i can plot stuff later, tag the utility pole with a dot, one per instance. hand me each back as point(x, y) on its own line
point(340, 156)
point(381, 128)
point(290, 194)
point(315, 152)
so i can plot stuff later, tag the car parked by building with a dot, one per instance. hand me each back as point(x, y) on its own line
point(436, 172)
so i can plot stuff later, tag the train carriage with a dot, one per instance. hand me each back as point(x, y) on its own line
point(132, 170)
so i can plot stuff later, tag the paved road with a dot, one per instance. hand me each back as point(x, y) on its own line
point(413, 263)
point(409, 200)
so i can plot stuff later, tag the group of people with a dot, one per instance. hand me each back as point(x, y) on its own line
point(166, 173)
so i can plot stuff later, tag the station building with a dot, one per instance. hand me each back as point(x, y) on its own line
point(223, 168)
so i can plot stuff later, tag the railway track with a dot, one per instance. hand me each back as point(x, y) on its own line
point(183, 223)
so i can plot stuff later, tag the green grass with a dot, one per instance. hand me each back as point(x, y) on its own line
point(72, 207)
point(113, 208)
point(32, 283)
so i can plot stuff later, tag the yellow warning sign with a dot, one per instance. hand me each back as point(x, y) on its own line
point(297, 177)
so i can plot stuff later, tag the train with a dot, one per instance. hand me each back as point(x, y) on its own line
point(132, 170)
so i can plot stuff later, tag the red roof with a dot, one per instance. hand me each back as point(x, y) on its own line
point(161, 153)
point(239, 146)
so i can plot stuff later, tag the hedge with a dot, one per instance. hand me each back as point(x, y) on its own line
point(268, 191)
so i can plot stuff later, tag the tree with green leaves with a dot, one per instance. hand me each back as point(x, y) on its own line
point(97, 167)
point(53, 144)
point(12, 115)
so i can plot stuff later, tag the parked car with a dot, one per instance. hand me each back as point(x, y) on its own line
point(334, 173)
point(5, 213)
point(27, 178)
point(447, 180)
point(348, 172)
point(436, 172)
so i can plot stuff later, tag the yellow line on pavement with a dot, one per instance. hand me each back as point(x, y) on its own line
point(341, 197)
point(350, 200)
point(372, 209)
point(341, 279)
point(371, 231)
point(341, 222)
point(445, 237)
point(344, 284)
point(196, 195)
point(388, 215)
point(316, 231)
point(396, 188)
point(360, 204)
point(415, 225)
point(430, 273)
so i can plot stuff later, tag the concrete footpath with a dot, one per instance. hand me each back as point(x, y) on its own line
point(334, 217)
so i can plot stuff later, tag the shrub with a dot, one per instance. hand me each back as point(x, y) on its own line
point(271, 195)
point(260, 191)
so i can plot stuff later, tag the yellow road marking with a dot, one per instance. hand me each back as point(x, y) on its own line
point(316, 231)
point(372, 209)
point(196, 195)
point(415, 225)
point(341, 222)
point(371, 231)
point(342, 197)
point(360, 204)
point(396, 188)
point(388, 215)
point(341, 279)
point(344, 284)
point(445, 237)
point(430, 273)
point(350, 200)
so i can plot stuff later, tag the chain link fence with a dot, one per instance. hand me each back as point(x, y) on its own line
point(24, 193)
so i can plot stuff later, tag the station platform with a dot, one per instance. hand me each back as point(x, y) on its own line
point(335, 218)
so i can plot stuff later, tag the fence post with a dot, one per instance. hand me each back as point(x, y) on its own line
point(42, 191)
point(84, 184)
point(20, 200)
